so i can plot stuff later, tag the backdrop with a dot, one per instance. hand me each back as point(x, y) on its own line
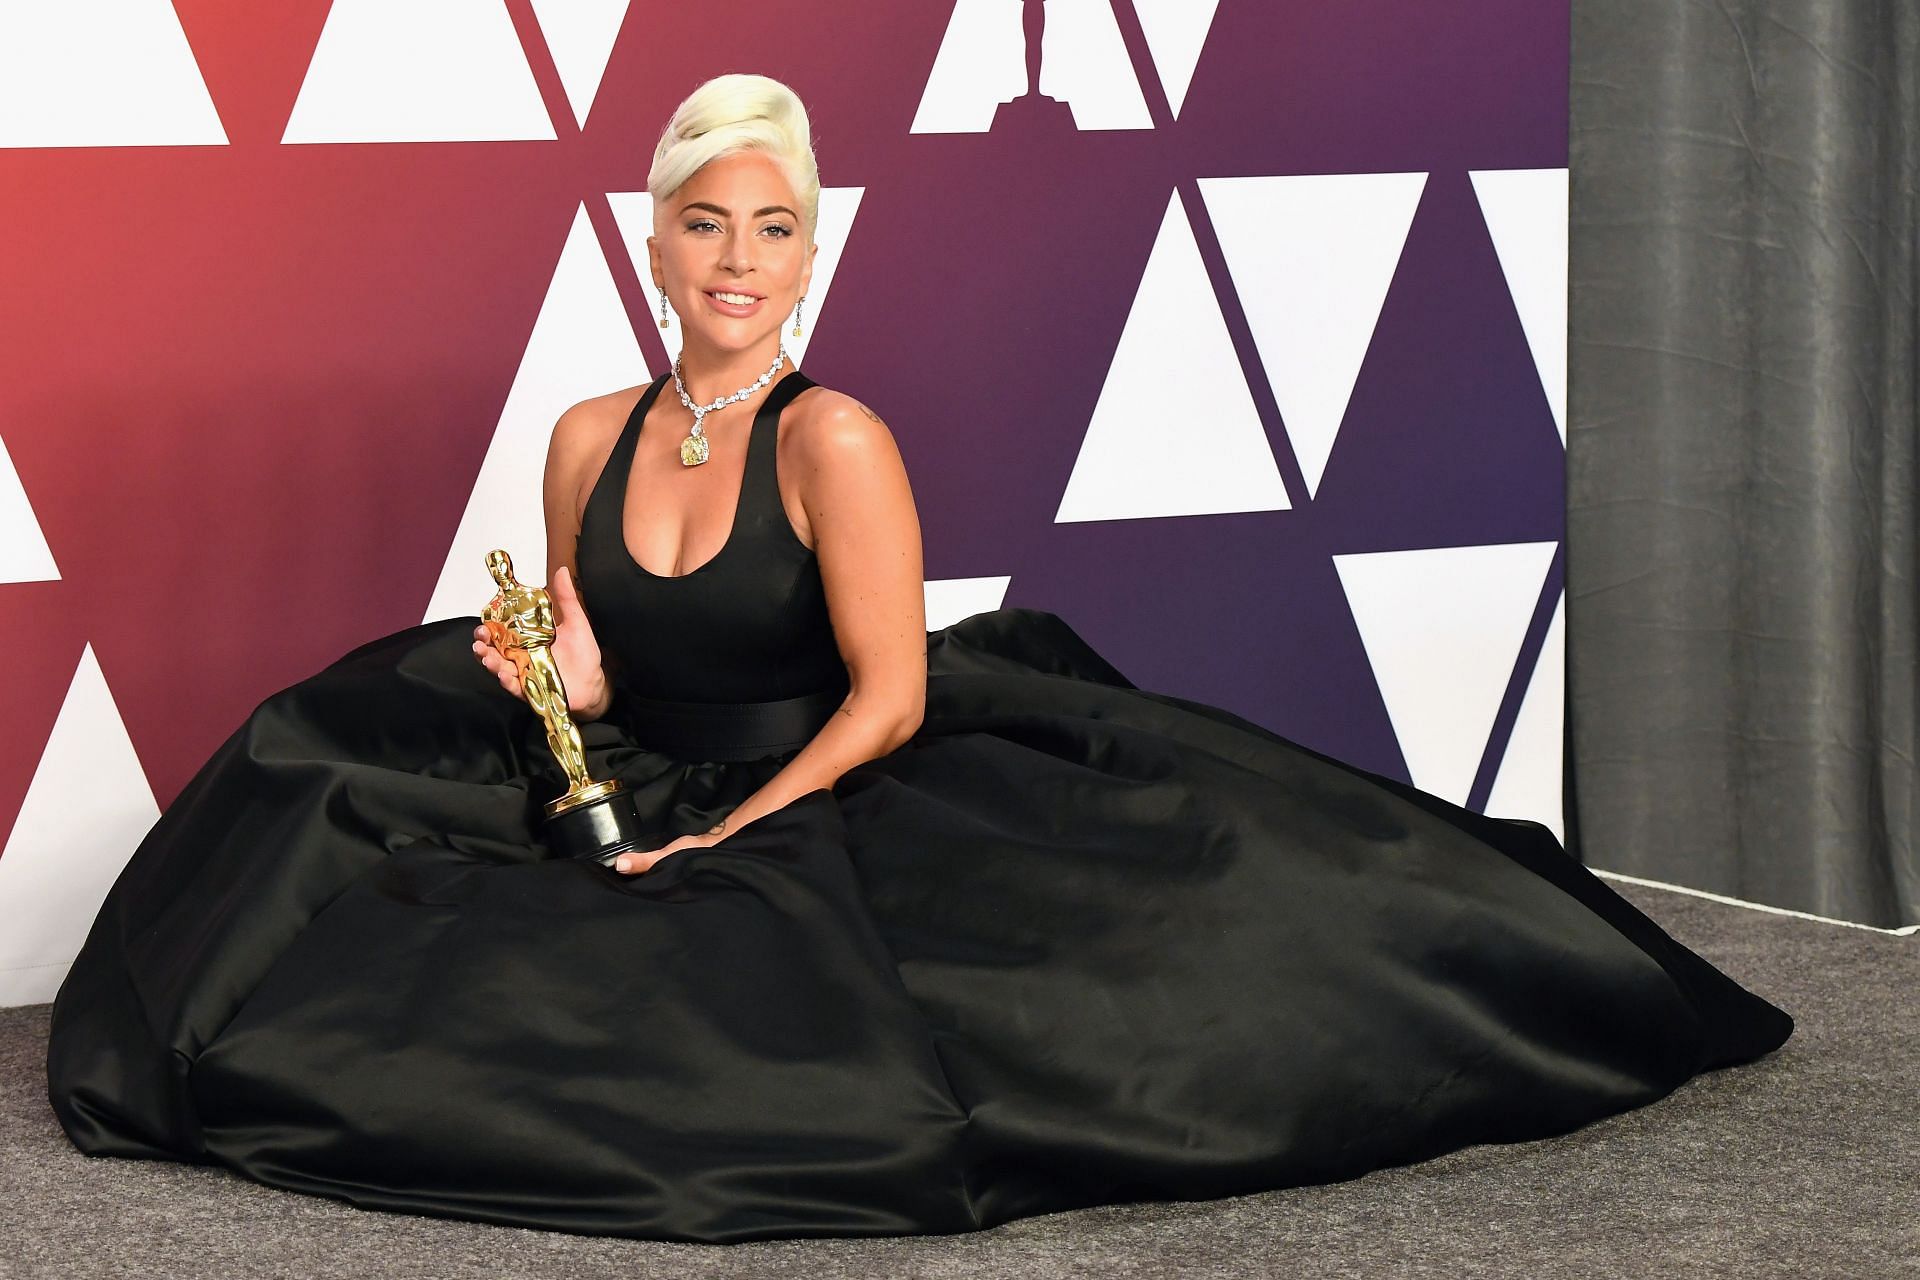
point(1238, 341)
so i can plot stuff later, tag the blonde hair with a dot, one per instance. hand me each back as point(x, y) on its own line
point(734, 113)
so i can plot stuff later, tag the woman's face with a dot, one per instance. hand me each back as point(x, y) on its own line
point(733, 228)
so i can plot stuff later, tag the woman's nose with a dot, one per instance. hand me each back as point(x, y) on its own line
point(738, 252)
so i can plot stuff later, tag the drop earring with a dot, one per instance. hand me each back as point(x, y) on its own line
point(796, 314)
point(663, 308)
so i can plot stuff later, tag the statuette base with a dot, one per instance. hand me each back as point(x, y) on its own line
point(599, 822)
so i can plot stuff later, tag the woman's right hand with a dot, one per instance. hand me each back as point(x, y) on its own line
point(575, 651)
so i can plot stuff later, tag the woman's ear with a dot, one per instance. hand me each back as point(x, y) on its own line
point(806, 273)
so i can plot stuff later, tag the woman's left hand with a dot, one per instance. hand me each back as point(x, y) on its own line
point(635, 862)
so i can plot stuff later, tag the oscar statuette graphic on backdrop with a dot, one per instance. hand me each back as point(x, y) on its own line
point(590, 819)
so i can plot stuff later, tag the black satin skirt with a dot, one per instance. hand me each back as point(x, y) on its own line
point(1075, 943)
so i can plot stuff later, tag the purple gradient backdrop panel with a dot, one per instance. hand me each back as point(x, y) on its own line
point(989, 276)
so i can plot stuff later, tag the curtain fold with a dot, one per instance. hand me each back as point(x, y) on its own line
point(1742, 605)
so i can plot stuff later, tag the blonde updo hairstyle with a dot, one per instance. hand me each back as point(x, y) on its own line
point(733, 113)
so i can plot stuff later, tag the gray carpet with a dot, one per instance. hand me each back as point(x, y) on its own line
point(1806, 1163)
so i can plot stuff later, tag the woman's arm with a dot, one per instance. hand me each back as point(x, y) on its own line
point(866, 536)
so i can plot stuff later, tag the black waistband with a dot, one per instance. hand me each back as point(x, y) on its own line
point(724, 730)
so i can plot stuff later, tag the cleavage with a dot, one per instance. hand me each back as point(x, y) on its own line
point(737, 437)
point(730, 446)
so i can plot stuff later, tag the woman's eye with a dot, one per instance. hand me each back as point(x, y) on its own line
point(784, 230)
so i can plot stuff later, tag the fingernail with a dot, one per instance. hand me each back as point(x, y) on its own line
point(621, 865)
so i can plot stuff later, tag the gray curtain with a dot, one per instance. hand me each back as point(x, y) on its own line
point(1741, 605)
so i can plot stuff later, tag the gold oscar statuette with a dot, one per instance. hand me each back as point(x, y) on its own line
point(590, 819)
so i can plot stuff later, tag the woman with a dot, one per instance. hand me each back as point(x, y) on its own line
point(931, 936)
point(732, 253)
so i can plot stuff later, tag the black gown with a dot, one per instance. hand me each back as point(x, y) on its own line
point(1074, 943)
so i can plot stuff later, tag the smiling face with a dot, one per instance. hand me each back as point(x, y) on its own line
point(731, 251)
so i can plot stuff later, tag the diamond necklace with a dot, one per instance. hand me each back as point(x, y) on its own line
point(693, 450)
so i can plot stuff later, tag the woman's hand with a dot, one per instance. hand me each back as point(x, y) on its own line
point(575, 651)
point(632, 863)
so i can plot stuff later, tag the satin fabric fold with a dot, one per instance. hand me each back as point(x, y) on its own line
point(1074, 943)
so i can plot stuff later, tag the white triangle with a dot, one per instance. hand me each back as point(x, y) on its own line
point(982, 63)
point(1084, 64)
point(1175, 31)
point(418, 71)
point(580, 36)
point(1530, 781)
point(633, 214)
point(101, 73)
point(1312, 258)
point(1442, 629)
point(87, 809)
point(1526, 213)
point(948, 600)
point(582, 345)
point(1199, 451)
point(24, 554)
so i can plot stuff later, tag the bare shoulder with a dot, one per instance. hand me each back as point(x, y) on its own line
point(832, 424)
point(584, 434)
point(595, 419)
point(582, 440)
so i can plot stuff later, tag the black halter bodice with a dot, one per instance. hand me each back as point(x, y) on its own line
point(735, 656)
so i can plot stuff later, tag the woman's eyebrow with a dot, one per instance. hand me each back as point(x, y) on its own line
point(728, 213)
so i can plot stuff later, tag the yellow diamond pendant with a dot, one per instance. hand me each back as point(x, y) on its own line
point(693, 451)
